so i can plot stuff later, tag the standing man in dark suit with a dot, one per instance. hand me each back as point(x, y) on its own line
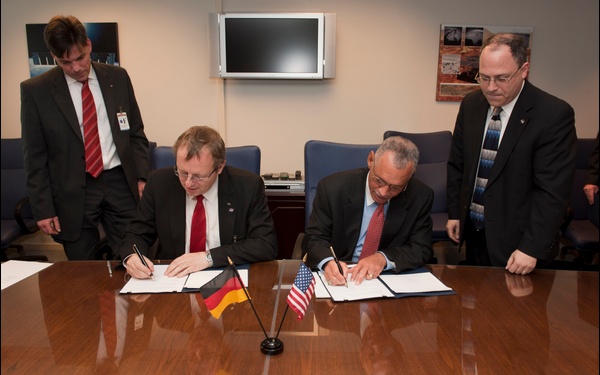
point(238, 222)
point(68, 199)
point(345, 203)
point(530, 181)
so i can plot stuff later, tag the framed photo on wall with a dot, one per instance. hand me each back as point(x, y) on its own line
point(105, 45)
point(458, 60)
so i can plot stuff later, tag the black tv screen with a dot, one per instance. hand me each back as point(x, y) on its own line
point(271, 45)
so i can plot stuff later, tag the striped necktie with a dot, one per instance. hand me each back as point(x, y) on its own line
point(93, 152)
point(486, 161)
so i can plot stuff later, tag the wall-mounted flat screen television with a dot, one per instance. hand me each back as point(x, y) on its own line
point(275, 45)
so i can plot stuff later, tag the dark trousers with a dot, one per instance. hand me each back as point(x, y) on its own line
point(109, 202)
point(476, 246)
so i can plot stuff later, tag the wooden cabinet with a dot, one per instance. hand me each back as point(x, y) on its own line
point(287, 209)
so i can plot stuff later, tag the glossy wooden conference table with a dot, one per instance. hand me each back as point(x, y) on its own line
point(497, 323)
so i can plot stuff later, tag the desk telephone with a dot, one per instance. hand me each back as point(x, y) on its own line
point(283, 176)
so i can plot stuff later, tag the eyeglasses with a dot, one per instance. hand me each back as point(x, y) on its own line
point(394, 189)
point(501, 80)
point(183, 176)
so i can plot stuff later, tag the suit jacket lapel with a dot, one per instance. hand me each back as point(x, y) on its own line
point(108, 96)
point(62, 96)
point(481, 111)
point(227, 208)
point(352, 211)
point(177, 219)
point(516, 125)
point(394, 218)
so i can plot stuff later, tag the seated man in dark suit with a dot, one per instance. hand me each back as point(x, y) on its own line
point(346, 201)
point(201, 212)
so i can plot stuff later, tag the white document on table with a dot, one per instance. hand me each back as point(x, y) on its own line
point(320, 290)
point(14, 271)
point(414, 282)
point(418, 282)
point(159, 283)
point(163, 284)
point(365, 290)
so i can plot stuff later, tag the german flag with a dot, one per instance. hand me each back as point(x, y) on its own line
point(226, 288)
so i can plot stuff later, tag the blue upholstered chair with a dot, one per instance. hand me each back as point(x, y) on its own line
point(17, 219)
point(579, 234)
point(244, 157)
point(434, 149)
point(323, 158)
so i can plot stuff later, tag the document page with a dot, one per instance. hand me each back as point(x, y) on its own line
point(14, 271)
point(367, 289)
point(197, 279)
point(414, 283)
point(164, 284)
point(320, 290)
point(158, 284)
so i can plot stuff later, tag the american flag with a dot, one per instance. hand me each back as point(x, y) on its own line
point(302, 291)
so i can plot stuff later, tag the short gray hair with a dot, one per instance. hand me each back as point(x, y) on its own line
point(405, 151)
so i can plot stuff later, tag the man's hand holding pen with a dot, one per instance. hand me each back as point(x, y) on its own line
point(137, 269)
point(333, 275)
point(139, 266)
point(341, 271)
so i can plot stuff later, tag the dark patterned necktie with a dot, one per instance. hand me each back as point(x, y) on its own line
point(486, 161)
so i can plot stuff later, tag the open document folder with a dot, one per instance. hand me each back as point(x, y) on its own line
point(190, 283)
point(417, 282)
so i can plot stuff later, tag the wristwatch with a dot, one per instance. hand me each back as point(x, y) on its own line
point(209, 258)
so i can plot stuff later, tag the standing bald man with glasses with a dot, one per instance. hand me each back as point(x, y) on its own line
point(507, 202)
point(235, 219)
point(346, 203)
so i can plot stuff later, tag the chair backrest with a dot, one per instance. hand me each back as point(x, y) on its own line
point(244, 157)
point(323, 158)
point(14, 185)
point(579, 202)
point(434, 150)
point(14, 190)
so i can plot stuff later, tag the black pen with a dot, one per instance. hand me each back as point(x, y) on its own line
point(139, 253)
point(337, 261)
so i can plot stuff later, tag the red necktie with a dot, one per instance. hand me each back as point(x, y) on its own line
point(93, 152)
point(108, 313)
point(198, 233)
point(371, 244)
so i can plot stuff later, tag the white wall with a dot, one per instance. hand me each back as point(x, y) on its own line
point(387, 54)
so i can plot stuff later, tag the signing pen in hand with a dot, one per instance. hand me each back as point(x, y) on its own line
point(139, 253)
point(337, 261)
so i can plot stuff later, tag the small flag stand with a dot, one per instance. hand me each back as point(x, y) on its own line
point(298, 298)
point(270, 345)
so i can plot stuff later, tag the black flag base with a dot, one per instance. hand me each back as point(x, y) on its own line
point(272, 346)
